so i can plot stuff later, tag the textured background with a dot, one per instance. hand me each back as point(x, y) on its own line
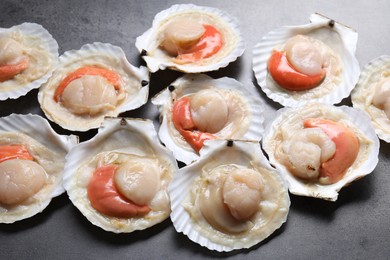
point(357, 226)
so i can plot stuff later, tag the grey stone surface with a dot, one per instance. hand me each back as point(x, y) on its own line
point(357, 226)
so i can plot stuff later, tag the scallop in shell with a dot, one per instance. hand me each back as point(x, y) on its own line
point(28, 54)
point(313, 62)
point(196, 107)
point(32, 158)
point(90, 84)
point(119, 178)
point(372, 95)
point(319, 148)
point(231, 198)
point(191, 39)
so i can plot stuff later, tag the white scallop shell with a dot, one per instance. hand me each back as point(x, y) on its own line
point(40, 130)
point(356, 120)
point(136, 86)
point(340, 38)
point(193, 83)
point(156, 59)
point(128, 136)
point(214, 154)
point(363, 93)
point(38, 35)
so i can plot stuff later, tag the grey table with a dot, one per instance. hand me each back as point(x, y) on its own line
point(357, 226)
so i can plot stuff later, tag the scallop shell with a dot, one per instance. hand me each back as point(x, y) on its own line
point(193, 83)
point(118, 135)
point(32, 34)
point(37, 128)
point(136, 83)
point(340, 38)
point(273, 209)
point(355, 119)
point(157, 59)
point(363, 93)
